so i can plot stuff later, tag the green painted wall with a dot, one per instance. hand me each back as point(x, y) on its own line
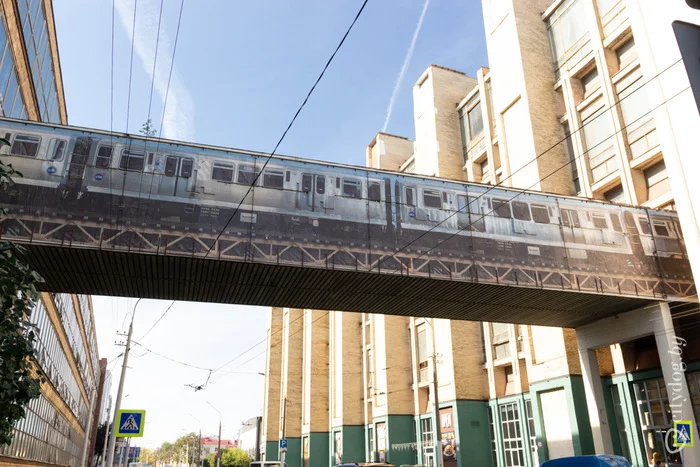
point(318, 450)
point(293, 456)
point(272, 450)
point(353, 443)
point(399, 429)
point(472, 432)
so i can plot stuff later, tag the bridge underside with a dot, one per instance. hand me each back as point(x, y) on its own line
point(115, 273)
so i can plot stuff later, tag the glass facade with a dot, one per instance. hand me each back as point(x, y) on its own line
point(10, 96)
point(36, 37)
point(512, 439)
point(655, 419)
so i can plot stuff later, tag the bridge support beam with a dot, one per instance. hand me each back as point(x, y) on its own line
point(654, 320)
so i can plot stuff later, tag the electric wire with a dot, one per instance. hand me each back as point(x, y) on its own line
point(158, 320)
point(500, 184)
point(523, 191)
point(284, 134)
point(131, 68)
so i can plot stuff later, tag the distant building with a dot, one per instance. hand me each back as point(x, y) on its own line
point(211, 443)
point(249, 437)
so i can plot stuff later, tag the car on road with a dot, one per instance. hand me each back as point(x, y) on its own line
point(604, 460)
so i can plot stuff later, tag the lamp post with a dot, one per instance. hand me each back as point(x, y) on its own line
point(117, 405)
point(218, 451)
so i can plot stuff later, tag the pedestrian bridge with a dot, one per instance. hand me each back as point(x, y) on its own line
point(113, 214)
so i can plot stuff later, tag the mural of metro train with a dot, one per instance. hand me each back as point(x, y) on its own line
point(153, 182)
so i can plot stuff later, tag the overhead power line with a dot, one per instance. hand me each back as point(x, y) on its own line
point(306, 99)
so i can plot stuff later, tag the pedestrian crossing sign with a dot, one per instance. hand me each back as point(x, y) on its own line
point(683, 434)
point(130, 423)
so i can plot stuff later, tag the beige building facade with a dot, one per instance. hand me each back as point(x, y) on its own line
point(577, 101)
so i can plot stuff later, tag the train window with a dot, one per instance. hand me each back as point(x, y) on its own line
point(501, 208)
point(222, 172)
point(521, 211)
point(473, 205)
point(569, 218)
point(410, 196)
point(444, 197)
point(132, 160)
point(660, 228)
point(59, 147)
point(247, 174)
point(600, 222)
point(170, 166)
point(337, 183)
point(103, 159)
point(644, 226)
point(617, 225)
point(273, 179)
point(540, 214)
point(320, 184)
point(287, 176)
point(374, 191)
point(306, 181)
point(431, 199)
point(186, 168)
point(25, 145)
point(352, 188)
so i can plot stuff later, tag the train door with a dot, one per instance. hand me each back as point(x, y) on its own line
point(571, 227)
point(313, 192)
point(634, 237)
point(132, 165)
point(462, 213)
point(397, 204)
point(176, 177)
point(78, 162)
point(388, 213)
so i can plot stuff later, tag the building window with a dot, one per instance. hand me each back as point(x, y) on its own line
point(626, 53)
point(572, 156)
point(655, 418)
point(426, 431)
point(492, 435)
point(485, 172)
point(694, 390)
point(656, 179)
point(370, 443)
point(500, 341)
point(637, 117)
point(421, 332)
point(370, 374)
point(622, 430)
point(471, 121)
point(12, 103)
point(616, 194)
point(532, 432)
point(568, 32)
point(598, 136)
point(612, 14)
point(381, 441)
point(512, 439)
point(590, 82)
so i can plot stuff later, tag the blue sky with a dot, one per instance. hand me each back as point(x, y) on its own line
point(241, 70)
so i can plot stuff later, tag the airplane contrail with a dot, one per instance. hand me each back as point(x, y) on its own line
point(406, 62)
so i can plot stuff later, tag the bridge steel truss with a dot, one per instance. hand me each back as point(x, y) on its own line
point(144, 260)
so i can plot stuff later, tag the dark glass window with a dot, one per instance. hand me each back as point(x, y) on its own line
point(431, 199)
point(170, 165)
point(501, 208)
point(59, 148)
point(25, 145)
point(306, 181)
point(132, 161)
point(644, 226)
point(600, 222)
point(186, 166)
point(247, 174)
point(540, 214)
point(104, 157)
point(521, 211)
point(374, 191)
point(617, 226)
point(410, 196)
point(320, 184)
point(352, 188)
point(661, 229)
point(222, 172)
point(273, 179)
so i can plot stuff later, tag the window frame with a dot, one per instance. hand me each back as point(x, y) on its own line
point(223, 166)
point(275, 174)
point(354, 182)
point(431, 194)
point(26, 138)
point(128, 154)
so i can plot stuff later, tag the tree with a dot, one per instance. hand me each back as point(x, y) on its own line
point(20, 377)
point(100, 436)
point(234, 457)
point(147, 129)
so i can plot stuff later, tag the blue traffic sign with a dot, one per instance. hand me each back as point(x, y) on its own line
point(130, 423)
point(283, 444)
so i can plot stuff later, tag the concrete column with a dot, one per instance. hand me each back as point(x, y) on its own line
point(595, 399)
point(670, 350)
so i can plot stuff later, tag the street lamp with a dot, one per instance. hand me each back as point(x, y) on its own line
point(218, 452)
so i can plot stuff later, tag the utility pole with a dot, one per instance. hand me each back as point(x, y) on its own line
point(88, 429)
point(199, 452)
point(108, 429)
point(218, 453)
point(117, 405)
point(283, 454)
point(436, 402)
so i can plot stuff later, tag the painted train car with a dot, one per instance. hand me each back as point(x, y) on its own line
point(93, 173)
